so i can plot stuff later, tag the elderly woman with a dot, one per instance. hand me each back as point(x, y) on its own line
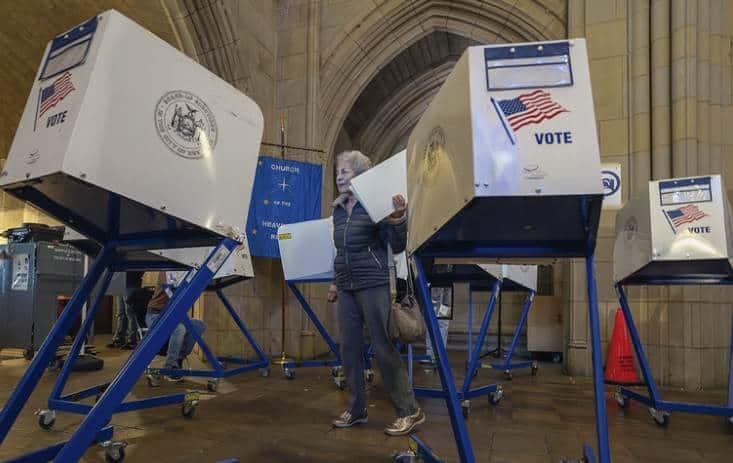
point(362, 291)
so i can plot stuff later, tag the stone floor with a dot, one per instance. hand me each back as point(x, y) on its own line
point(540, 419)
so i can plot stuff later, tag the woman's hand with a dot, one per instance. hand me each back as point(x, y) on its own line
point(400, 207)
point(332, 293)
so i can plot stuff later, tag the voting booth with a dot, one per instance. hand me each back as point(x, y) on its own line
point(529, 117)
point(139, 148)
point(236, 268)
point(307, 250)
point(678, 232)
point(307, 253)
point(493, 278)
point(519, 278)
point(488, 179)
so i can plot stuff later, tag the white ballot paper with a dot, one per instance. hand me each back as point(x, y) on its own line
point(307, 250)
point(375, 188)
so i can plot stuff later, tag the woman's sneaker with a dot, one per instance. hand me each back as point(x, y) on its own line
point(406, 424)
point(347, 420)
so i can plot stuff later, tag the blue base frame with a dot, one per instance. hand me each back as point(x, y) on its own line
point(507, 365)
point(218, 370)
point(467, 392)
point(111, 400)
point(654, 400)
point(590, 208)
point(70, 403)
point(48, 453)
point(334, 361)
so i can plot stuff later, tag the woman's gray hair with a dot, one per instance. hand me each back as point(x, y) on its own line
point(360, 163)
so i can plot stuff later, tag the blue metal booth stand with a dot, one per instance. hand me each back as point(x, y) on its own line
point(482, 189)
point(677, 234)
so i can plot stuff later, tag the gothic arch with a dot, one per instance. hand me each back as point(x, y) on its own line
point(375, 38)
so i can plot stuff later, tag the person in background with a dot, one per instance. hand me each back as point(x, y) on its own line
point(442, 305)
point(181, 341)
point(125, 336)
point(121, 326)
point(362, 290)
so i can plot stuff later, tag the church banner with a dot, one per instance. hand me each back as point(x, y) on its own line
point(284, 192)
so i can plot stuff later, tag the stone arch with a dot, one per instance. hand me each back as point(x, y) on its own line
point(205, 33)
point(397, 117)
point(378, 35)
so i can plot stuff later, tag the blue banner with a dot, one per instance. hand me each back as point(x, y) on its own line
point(284, 192)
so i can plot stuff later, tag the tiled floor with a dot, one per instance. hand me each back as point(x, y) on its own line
point(540, 419)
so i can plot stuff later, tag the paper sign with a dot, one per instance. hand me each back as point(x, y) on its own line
point(611, 175)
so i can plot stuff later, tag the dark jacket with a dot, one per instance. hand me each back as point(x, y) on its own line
point(361, 247)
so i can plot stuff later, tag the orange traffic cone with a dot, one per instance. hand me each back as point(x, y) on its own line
point(620, 358)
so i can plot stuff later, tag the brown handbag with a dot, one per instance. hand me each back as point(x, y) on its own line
point(406, 324)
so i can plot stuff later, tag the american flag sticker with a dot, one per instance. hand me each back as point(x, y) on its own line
point(684, 215)
point(530, 108)
point(55, 93)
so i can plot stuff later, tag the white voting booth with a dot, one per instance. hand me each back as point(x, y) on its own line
point(680, 228)
point(678, 232)
point(238, 265)
point(515, 278)
point(307, 253)
point(139, 148)
point(307, 250)
point(507, 157)
point(176, 143)
point(522, 275)
point(488, 177)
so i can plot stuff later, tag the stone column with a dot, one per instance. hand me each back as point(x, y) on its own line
point(661, 124)
point(641, 157)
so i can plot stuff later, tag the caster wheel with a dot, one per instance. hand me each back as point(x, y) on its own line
point(114, 454)
point(534, 369)
point(508, 375)
point(264, 372)
point(406, 457)
point(46, 419)
point(466, 408)
point(153, 380)
point(660, 417)
point(340, 383)
point(730, 421)
point(369, 376)
point(212, 385)
point(289, 374)
point(621, 400)
point(496, 396)
point(335, 371)
point(28, 354)
point(188, 410)
point(557, 358)
point(55, 365)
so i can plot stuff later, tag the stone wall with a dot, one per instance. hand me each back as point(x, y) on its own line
point(661, 82)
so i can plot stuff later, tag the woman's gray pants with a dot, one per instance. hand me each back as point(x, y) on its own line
point(371, 306)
